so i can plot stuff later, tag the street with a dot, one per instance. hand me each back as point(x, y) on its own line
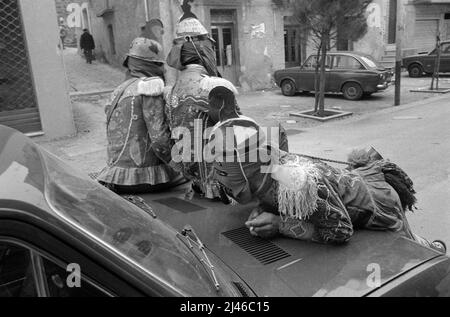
point(415, 135)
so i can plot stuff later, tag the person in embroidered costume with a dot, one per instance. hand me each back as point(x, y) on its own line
point(139, 142)
point(307, 199)
point(194, 56)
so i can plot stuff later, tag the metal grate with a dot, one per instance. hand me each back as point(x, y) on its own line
point(264, 251)
point(18, 106)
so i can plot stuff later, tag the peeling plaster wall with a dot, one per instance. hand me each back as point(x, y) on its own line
point(126, 21)
point(259, 53)
point(262, 44)
point(375, 41)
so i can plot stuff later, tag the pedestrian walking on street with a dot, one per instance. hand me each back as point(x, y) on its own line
point(87, 45)
point(139, 139)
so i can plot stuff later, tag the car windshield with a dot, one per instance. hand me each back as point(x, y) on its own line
point(370, 62)
point(124, 229)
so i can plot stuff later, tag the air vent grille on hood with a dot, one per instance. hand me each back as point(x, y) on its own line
point(264, 251)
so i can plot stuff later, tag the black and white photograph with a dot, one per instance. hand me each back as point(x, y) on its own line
point(226, 153)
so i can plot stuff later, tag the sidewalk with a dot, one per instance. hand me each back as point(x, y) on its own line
point(87, 78)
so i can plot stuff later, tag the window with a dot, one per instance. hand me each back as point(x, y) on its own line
point(311, 63)
point(16, 272)
point(56, 277)
point(445, 48)
point(346, 62)
point(18, 278)
point(215, 36)
point(112, 41)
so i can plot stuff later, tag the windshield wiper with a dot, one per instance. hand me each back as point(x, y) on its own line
point(187, 232)
point(139, 202)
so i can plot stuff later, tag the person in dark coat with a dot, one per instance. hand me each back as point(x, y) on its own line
point(87, 45)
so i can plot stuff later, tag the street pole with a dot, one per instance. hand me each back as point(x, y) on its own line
point(147, 13)
point(399, 55)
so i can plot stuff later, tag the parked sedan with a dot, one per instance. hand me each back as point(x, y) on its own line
point(353, 74)
point(54, 221)
point(421, 64)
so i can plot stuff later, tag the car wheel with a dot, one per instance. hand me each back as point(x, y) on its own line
point(415, 71)
point(288, 88)
point(352, 91)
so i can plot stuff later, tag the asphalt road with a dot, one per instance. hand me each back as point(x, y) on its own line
point(416, 137)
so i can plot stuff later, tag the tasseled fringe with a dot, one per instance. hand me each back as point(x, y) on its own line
point(359, 158)
point(209, 83)
point(299, 200)
point(152, 87)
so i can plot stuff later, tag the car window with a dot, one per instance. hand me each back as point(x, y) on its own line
point(57, 277)
point(311, 62)
point(370, 62)
point(445, 48)
point(346, 62)
point(16, 272)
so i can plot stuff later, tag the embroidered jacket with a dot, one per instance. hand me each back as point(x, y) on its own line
point(345, 201)
point(187, 104)
point(139, 143)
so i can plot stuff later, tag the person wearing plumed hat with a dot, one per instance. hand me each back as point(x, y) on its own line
point(139, 142)
point(193, 55)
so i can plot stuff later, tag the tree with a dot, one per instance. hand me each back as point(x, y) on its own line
point(325, 21)
point(437, 64)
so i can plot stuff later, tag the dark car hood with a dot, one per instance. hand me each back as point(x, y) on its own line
point(79, 207)
point(286, 267)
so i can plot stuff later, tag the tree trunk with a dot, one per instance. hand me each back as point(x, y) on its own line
point(316, 80)
point(437, 65)
point(321, 112)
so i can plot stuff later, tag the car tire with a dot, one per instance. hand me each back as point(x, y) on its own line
point(415, 71)
point(288, 88)
point(352, 91)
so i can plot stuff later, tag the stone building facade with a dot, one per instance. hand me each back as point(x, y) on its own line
point(254, 37)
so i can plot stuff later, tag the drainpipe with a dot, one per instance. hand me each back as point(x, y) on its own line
point(147, 13)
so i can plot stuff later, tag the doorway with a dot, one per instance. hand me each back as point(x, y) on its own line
point(447, 25)
point(392, 27)
point(223, 31)
point(292, 46)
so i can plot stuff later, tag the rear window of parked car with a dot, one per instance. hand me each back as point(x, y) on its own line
point(346, 62)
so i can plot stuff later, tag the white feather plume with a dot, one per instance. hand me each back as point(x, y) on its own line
point(209, 83)
point(152, 87)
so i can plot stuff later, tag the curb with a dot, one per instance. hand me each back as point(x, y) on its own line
point(393, 109)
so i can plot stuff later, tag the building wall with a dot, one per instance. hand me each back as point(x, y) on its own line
point(125, 20)
point(41, 29)
point(425, 11)
point(375, 41)
point(260, 54)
